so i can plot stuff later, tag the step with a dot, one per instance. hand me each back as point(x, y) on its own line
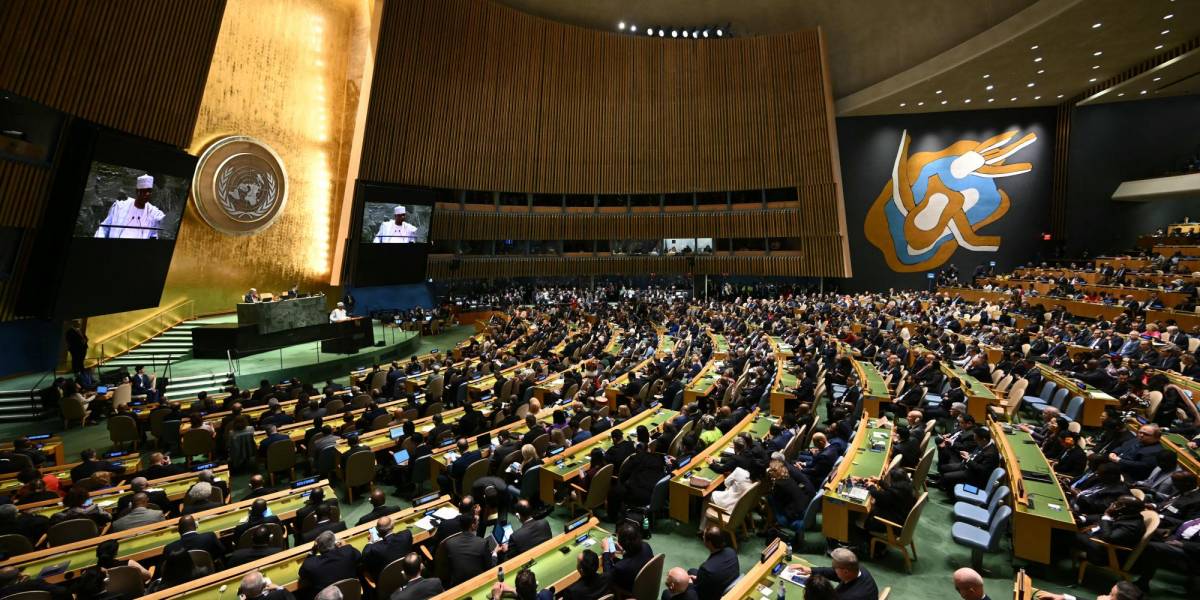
point(203, 376)
point(165, 343)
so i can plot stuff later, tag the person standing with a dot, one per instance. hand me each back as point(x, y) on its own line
point(77, 342)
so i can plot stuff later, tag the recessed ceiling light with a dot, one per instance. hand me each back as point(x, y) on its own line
point(1040, 71)
point(1094, 67)
point(1033, 47)
point(921, 103)
point(1166, 31)
point(991, 99)
point(1013, 99)
point(1030, 84)
point(1142, 92)
point(986, 75)
point(1158, 47)
point(1121, 94)
point(621, 25)
point(989, 87)
point(903, 104)
point(1092, 80)
point(1096, 25)
point(968, 100)
point(938, 92)
point(1098, 53)
point(632, 28)
point(1037, 97)
point(1168, 17)
point(1157, 78)
point(1038, 59)
point(1060, 95)
point(944, 101)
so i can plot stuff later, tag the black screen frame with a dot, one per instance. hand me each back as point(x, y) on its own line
point(390, 264)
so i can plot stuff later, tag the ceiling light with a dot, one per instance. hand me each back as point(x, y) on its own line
point(674, 33)
point(1037, 97)
point(1033, 47)
point(967, 101)
point(1121, 94)
point(1094, 67)
point(685, 33)
point(1168, 17)
point(1157, 78)
point(938, 92)
point(705, 35)
point(1166, 31)
point(621, 25)
point(944, 101)
point(1142, 92)
point(990, 87)
point(991, 99)
point(1092, 80)
point(903, 104)
point(1158, 47)
point(1096, 25)
point(662, 32)
point(986, 75)
point(720, 32)
point(1013, 99)
point(1098, 53)
point(1060, 96)
point(1040, 71)
point(1038, 59)
point(921, 103)
point(649, 31)
point(632, 28)
point(1030, 84)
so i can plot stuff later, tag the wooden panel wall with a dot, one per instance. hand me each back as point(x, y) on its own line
point(470, 94)
point(134, 65)
point(581, 225)
point(785, 264)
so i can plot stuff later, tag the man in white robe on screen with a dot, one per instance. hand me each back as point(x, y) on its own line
point(133, 218)
point(397, 231)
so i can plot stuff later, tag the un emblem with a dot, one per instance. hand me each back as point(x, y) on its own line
point(936, 202)
point(240, 185)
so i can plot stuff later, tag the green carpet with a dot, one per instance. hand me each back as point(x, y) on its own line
point(938, 555)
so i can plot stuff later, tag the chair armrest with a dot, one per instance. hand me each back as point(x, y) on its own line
point(888, 523)
point(41, 541)
point(1111, 545)
point(425, 551)
point(719, 509)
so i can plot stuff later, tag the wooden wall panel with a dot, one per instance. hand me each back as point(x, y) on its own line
point(134, 65)
point(786, 264)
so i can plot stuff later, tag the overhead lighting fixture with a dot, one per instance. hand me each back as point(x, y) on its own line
point(1158, 79)
point(1092, 80)
point(1096, 25)
point(921, 103)
point(1037, 97)
point(1142, 92)
point(662, 33)
point(720, 32)
point(705, 35)
point(1168, 17)
point(944, 101)
point(621, 25)
point(674, 33)
point(967, 101)
point(1040, 71)
point(1094, 67)
point(1013, 99)
point(1166, 31)
point(938, 92)
point(989, 87)
point(1158, 47)
point(685, 33)
point(1098, 53)
point(649, 31)
point(1060, 96)
point(1030, 84)
point(986, 75)
point(903, 104)
point(633, 28)
point(1034, 47)
point(1038, 59)
point(1121, 94)
point(991, 99)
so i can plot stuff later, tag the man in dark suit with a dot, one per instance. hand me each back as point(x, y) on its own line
point(592, 584)
point(719, 570)
point(975, 466)
point(466, 457)
point(158, 465)
point(330, 561)
point(260, 548)
point(620, 450)
point(190, 539)
point(416, 587)
point(531, 532)
point(854, 582)
point(469, 554)
point(969, 584)
point(258, 516)
point(1139, 456)
point(535, 429)
point(157, 497)
point(255, 587)
point(12, 581)
point(379, 508)
point(89, 465)
point(258, 487)
point(273, 436)
point(315, 499)
point(634, 554)
point(507, 446)
point(392, 545)
point(325, 523)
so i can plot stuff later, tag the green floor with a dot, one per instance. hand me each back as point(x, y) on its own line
point(930, 579)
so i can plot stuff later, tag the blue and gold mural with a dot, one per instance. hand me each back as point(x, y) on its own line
point(937, 202)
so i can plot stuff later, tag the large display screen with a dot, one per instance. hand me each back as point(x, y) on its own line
point(129, 203)
point(394, 233)
point(108, 235)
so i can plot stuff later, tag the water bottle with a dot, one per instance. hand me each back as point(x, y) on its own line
point(782, 589)
point(500, 574)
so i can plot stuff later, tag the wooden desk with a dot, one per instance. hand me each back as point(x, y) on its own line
point(51, 446)
point(867, 456)
point(680, 488)
point(1188, 458)
point(1022, 586)
point(551, 566)
point(781, 348)
point(148, 541)
point(1186, 320)
point(784, 381)
point(561, 469)
point(1034, 517)
point(613, 390)
point(874, 390)
point(1095, 400)
point(979, 396)
point(666, 345)
point(702, 385)
point(762, 576)
point(283, 567)
point(439, 461)
point(9, 484)
point(720, 346)
point(174, 486)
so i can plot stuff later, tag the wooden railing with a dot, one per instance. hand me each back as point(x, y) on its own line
point(787, 264)
point(123, 341)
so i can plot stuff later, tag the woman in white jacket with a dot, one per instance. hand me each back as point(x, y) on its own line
point(737, 483)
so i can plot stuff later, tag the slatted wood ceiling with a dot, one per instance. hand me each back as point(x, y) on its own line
point(135, 65)
point(470, 94)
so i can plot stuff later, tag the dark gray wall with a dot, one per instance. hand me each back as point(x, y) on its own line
point(1111, 143)
point(868, 147)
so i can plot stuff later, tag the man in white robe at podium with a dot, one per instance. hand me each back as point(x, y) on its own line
point(397, 231)
point(133, 218)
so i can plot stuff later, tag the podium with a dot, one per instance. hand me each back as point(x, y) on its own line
point(266, 326)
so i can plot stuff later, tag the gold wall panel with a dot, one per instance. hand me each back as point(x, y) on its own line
point(288, 73)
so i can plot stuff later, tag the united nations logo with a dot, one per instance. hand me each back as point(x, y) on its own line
point(240, 185)
point(938, 202)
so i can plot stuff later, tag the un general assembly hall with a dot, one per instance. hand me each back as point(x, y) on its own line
point(599, 299)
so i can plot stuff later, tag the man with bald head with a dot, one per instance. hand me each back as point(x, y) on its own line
point(13, 581)
point(158, 465)
point(156, 497)
point(679, 586)
point(260, 547)
point(330, 562)
point(258, 487)
point(388, 546)
point(255, 586)
point(140, 514)
point(969, 585)
point(416, 587)
point(379, 507)
point(1138, 457)
point(190, 539)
